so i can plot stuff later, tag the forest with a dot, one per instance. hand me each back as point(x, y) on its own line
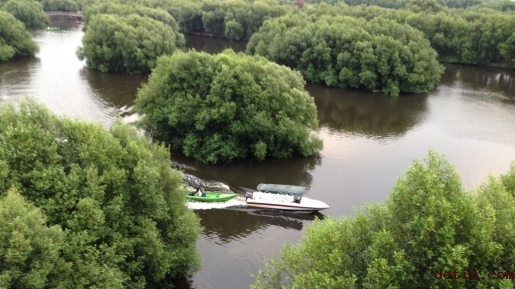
point(466, 32)
point(227, 107)
point(382, 49)
point(85, 207)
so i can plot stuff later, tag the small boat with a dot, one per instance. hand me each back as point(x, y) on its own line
point(208, 196)
point(53, 29)
point(283, 197)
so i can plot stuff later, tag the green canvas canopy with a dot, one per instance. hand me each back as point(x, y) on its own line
point(281, 189)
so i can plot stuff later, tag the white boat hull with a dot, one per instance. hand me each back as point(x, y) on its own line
point(284, 202)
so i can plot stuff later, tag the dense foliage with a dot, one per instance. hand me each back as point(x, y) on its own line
point(121, 9)
point(500, 5)
point(129, 43)
point(228, 106)
point(15, 40)
point(459, 36)
point(379, 55)
point(234, 19)
point(399, 4)
point(29, 249)
point(480, 34)
point(429, 224)
point(60, 5)
point(29, 12)
point(113, 193)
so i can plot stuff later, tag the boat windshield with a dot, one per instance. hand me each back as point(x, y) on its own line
point(281, 189)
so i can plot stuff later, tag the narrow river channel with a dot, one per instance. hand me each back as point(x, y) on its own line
point(369, 140)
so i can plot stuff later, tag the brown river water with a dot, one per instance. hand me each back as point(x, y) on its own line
point(369, 140)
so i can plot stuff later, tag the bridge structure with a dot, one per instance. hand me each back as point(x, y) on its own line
point(65, 14)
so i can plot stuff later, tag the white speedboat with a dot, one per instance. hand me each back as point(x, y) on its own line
point(283, 197)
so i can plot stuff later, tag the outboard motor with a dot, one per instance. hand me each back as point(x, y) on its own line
point(248, 195)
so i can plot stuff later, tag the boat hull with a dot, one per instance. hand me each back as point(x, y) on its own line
point(284, 202)
point(211, 197)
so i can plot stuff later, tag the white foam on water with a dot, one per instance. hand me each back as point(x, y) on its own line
point(196, 182)
point(182, 166)
point(236, 202)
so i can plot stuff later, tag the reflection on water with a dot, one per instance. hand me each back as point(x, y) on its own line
point(287, 220)
point(53, 77)
point(245, 221)
point(243, 175)
point(489, 80)
point(241, 223)
point(11, 77)
point(365, 113)
point(213, 44)
point(472, 104)
point(116, 89)
point(236, 242)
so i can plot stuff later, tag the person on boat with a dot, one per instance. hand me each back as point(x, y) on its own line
point(200, 192)
point(193, 193)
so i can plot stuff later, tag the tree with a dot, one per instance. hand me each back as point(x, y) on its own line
point(15, 40)
point(228, 106)
point(60, 5)
point(29, 249)
point(234, 30)
point(430, 6)
point(113, 192)
point(476, 35)
point(234, 19)
point(429, 224)
point(128, 44)
point(29, 12)
point(378, 55)
point(126, 9)
point(509, 180)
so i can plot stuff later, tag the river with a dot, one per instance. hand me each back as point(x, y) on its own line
point(369, 140)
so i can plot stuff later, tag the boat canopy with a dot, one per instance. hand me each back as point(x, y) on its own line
point(282, 189)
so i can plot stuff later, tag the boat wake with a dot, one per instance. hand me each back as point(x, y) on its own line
point(182, 166)
point(196, 182)
point(236, 202)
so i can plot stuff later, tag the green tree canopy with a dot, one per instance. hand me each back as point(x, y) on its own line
point(467, 36)
point(29, 12)
point(15, 40)
point(429, 224)
point(113, 192)
point(424, 5)
point(500, 5)
point(400, 4)
point(120, 8)
point(60, 5)
point(378, 55)
point(29, 249)
point(228, 106)
point(129, 44)
point(234, 19)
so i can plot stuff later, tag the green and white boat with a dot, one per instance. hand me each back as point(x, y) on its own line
point(208, 196)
